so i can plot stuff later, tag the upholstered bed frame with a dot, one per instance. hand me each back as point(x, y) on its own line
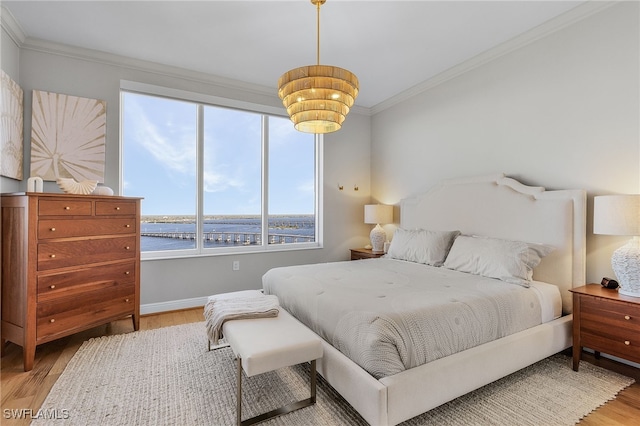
point(494, 206)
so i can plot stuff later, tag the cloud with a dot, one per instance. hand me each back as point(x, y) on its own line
point(175, 150)
point(216, 182)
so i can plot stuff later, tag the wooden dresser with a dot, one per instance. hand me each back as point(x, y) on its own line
point(69, 263)
point(605, 321)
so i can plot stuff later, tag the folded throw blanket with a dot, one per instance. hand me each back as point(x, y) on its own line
point(237, 305)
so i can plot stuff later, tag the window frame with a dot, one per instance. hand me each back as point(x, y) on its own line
point(265, 110)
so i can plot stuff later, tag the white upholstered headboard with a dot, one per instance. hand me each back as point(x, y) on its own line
point(502, 207)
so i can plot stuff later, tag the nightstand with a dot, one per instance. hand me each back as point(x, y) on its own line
point(363, 253)
point(605, 321)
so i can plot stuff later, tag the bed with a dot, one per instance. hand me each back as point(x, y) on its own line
point(461, 213)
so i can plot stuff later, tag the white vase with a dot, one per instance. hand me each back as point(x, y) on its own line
point(625, 262)
point(378, 236)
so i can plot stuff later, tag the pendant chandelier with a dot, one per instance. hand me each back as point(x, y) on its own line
point(318, 97)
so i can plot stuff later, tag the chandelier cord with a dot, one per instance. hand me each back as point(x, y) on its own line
point(318, 33)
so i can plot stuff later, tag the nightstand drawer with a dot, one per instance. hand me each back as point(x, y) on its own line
point(627, 349)
point(609, 315)
point(79, 281)
point(64, 228)
point(71, 253)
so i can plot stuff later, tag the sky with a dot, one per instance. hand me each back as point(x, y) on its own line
point(159, 159)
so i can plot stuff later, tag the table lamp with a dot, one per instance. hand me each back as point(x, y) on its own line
point(620, 215)
point(378, 213)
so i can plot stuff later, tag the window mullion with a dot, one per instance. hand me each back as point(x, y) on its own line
point(200, 178)
point(265, 181)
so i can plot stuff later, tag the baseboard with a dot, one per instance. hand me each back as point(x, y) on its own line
point(172, 305)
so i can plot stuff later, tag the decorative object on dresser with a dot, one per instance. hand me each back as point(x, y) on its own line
point(620, 215)
point(69, 263)
point(377, 214)
point(605, 321)
point(70, 186)
point(364, 253)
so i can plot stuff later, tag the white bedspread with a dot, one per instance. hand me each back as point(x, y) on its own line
point(389, 315)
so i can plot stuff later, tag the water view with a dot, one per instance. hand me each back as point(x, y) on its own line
point(178, 232)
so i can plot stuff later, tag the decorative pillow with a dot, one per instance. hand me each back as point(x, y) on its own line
point(510, 261)
point(421, 245)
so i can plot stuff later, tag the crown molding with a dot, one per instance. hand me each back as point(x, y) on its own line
point(11, 26)
point(558, 23)
point(270, 93)
point(45, 46)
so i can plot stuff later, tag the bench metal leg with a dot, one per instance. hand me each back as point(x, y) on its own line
point(278, 411)
point(216, 347)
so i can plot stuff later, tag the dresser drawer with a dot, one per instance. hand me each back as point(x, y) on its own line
point(71, 253)
point(63, 228)
point(70, 314)
point(82, 280)
point(116, 207)
point(65, 208)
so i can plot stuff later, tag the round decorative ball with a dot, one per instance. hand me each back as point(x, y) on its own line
point(102, 190)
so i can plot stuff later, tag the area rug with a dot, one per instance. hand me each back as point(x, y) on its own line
point(167, 377)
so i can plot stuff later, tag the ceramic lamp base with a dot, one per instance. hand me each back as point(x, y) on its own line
point(626, 265)
point(378, 236)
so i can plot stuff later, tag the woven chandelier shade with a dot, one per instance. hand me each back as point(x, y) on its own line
point(318, 97)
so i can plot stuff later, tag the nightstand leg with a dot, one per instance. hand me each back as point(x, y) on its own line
point(576, 357)
point(596, 354)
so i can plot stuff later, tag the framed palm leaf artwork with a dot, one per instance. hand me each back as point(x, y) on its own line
point(68, 137)
point(11, 134)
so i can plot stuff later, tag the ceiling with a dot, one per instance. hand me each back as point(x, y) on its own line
point(390, 45)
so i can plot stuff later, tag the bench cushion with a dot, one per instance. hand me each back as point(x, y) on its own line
point(267, 344)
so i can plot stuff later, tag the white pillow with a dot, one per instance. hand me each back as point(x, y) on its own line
point(421, 245)
point(510, 261)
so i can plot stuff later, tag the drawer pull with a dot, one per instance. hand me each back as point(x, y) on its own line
point(52, 287)
point(52, 256)
point(52, 320)
point(127, 226)
point(626, 342)
point(127, 248)
point(117, 208)
point(627, 317)
point(127, 272)
point(126, 300)
point(67, 208)
point(53, 229)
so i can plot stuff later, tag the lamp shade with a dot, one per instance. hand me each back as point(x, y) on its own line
point(616, 215)
point(620, 215)
point(378, 213)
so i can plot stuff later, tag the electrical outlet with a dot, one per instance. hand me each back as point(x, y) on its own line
point(236, 265)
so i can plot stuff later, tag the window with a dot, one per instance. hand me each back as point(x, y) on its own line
point(216, 177)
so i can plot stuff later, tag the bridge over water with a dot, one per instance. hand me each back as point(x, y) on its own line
point(245, 238)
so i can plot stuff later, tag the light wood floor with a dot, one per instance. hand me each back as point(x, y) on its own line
point(27, 391)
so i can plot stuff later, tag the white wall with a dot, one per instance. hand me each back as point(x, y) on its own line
point(346, 160)
point(561, 112)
